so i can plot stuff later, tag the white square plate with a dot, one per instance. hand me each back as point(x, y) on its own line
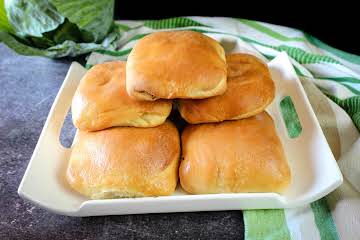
point(315, 172)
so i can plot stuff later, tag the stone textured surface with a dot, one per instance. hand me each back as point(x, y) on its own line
point(28, 86)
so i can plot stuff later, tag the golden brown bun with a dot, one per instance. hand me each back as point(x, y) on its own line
point(181, 64)
point(233, 156)
point(101, 101)
point(249, 91)
point(125, 162)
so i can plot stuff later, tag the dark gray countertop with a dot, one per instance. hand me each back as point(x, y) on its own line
point(28, 86)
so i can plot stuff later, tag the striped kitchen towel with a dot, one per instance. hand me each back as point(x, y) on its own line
point(331, 79)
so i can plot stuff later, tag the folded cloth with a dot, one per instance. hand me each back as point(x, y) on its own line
point(331, 79)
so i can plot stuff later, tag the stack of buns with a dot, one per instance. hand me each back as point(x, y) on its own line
point(126, 146)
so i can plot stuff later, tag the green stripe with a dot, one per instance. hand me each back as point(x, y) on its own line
point(323, 220)
point(261, 28)
point(341, 79)
point(352, 89)
point(303, 57)
point(269, 57)
point(123, 26)
point(265, 224)
point(290, 117)
point(296, 53)
point(114, 53)
point(351, 106)
point(137, 37)
point(298, 72)
point(176, 22)
point(88, 66)
point(341, 54)
point(343, 83)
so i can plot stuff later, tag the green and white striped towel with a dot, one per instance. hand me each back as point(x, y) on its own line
point(331, 79)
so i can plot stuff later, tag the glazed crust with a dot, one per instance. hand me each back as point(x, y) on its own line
point(179, 64)
point(250, 90)
point(233, 156)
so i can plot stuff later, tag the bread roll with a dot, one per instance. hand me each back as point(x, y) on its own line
point(250, 90)
point(125, 162)
point(233, 156)
point(181, 64)
point(101, 101)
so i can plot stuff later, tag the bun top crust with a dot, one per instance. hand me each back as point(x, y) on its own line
point(250, 90)
point(101, 101)
point(178, 64)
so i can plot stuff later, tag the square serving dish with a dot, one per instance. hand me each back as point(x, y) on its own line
point(315, 172)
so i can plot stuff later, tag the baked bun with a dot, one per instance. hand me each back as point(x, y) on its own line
point(179, 64)
point(233, 156)
point(250, 90)
point(101, 101)
point(125, 162)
